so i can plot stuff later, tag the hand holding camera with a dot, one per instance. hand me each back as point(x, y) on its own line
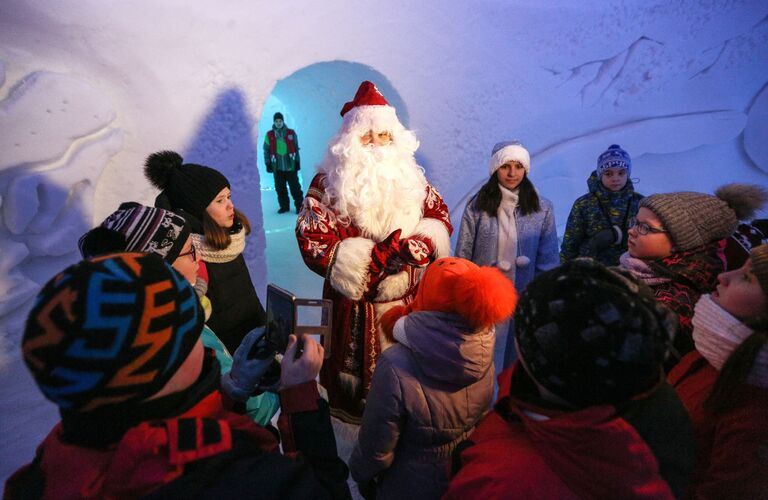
point(248, 371)
point(301, 366)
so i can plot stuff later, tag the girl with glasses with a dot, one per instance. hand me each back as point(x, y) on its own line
point(676, 246)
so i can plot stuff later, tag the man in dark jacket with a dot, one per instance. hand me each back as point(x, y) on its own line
point(586, 412)
point(115, 342)
point(281, 156)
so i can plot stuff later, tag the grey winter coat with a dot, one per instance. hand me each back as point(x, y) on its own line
point(536, 239)
point(425, 398)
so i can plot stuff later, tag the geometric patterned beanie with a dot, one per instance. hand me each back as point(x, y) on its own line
point(740, 243)
point(138, 228)
point(186, 186)
point(592, 335)
point(613, 157)
point(110, 331)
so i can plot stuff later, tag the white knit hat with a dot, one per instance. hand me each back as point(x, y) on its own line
point(507, 151)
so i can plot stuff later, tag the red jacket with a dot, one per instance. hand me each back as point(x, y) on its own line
point(590, 453)
point(148, 456)
point(732, 448)
point(207, 451)
point(290, 141)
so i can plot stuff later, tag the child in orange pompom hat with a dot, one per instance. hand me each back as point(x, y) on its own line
point(430, 389)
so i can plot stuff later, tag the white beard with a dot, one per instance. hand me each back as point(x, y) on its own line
point(378, 189)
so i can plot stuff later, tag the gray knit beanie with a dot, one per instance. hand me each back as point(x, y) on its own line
point(695, 219)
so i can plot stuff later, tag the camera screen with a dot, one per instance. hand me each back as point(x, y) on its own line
point(280, 319)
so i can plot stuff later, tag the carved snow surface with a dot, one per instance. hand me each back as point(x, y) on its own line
point(756, 131)
point(628, 71)
point(46, 184)
point(737, 50)
point(45, 113)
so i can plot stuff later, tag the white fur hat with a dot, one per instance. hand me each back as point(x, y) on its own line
point(507, 151)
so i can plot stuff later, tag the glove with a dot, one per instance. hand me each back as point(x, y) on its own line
point(416, 250)
point(240, 383)
point(385, 256)
point(605, 238)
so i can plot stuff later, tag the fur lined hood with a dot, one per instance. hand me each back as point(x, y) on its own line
point(446, 347)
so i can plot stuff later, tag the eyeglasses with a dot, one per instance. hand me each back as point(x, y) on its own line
point(191, 252)
point(644, 228)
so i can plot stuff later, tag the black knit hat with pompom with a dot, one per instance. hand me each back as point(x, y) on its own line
point(186, 186)
point(591, 334)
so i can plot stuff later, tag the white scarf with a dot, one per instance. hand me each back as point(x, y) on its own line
point(717, 333)
point(505, 214)
point(209, 254)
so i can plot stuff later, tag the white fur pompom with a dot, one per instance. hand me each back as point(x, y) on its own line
point(522, 261)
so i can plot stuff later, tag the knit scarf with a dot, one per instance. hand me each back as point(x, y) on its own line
point(505, 214)
point(209, 254)
point(717, 334)
point(641, 270)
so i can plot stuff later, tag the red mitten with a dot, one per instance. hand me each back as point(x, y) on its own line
point(385, 257)
point(416, 250)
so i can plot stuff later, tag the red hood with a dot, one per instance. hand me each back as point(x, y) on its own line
point(596, 453)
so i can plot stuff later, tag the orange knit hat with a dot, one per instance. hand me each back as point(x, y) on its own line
point(481, 295)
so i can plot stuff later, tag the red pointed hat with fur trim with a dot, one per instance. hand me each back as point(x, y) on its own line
point(481, 295)
point(367, 95)
point(369, 111)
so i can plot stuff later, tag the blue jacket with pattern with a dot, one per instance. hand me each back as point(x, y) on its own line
point(597, 210)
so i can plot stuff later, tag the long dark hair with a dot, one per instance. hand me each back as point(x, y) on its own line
point(735, 372)
point(489, 196)
point(218, 237)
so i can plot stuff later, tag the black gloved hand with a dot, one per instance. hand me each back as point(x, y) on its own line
point(605, 238)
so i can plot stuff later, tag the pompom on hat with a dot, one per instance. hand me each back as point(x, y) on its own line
point(369, 110)
point(507, 151)
point(591, 334)
point(137, 228)
point(186, 186)
point(613, 157)
point(110, 332)
point(483, 296)
point(696, 219)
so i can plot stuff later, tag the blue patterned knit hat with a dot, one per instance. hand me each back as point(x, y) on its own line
point(592, 335)
point(614, 157)
point(110, 331)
